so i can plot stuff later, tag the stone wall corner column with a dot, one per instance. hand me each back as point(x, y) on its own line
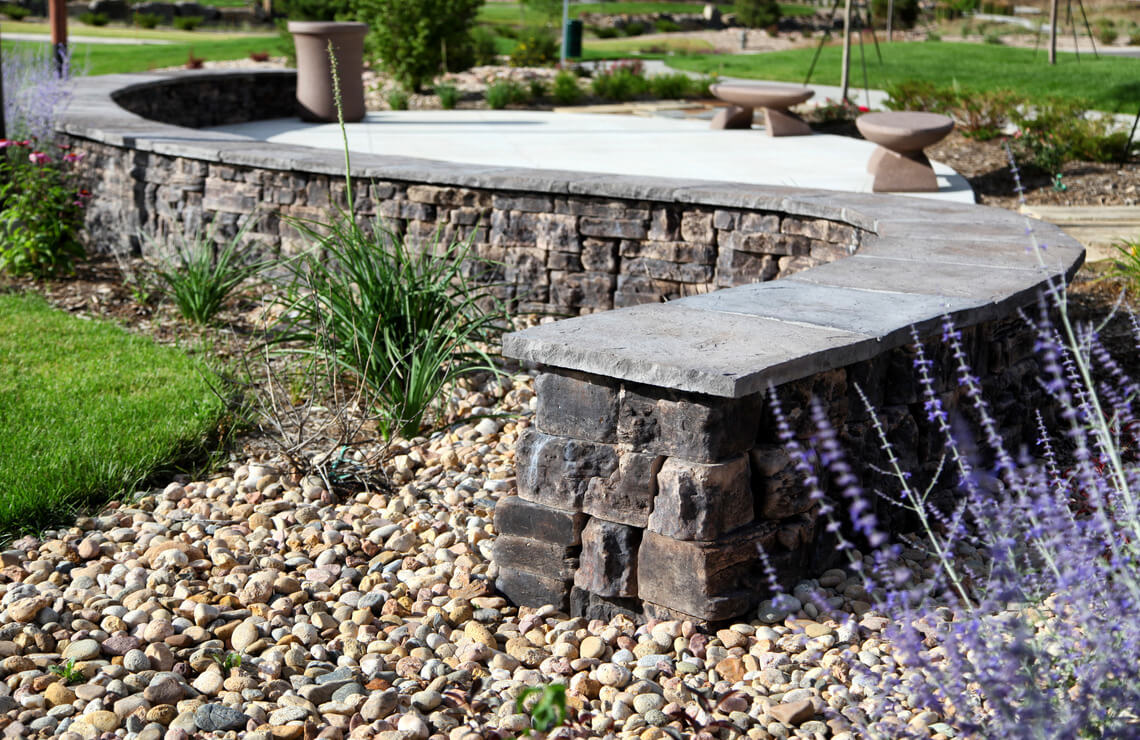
point(315, 98)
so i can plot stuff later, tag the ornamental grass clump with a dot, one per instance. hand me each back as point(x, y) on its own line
point(1034, 634)
point(403, 319)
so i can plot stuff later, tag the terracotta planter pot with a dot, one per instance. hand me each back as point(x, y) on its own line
point(315, 100)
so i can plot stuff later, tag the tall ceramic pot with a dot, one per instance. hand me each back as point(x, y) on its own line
point(315, 99)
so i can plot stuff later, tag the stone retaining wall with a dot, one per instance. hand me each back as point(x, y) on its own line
point(653, 471)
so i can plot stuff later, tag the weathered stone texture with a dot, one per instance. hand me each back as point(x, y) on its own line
point(700, 501)
point(608, 565)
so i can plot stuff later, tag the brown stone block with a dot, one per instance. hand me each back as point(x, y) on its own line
point(599, 209)
point(670, 251)
point(577, 405)
point(708, 580)
point(555, 471)
point(626, 496)
point(697, 227)
point(599, 255)
point(514, 228)
point(663, 224)
point(697, 501)
point(519, 518)
point(543, 558)
point(608, 564)
point(777, 487)
point(663, 270)
point(522, 202)
point(613, 228)
point(527, 589)
point(557, 232)
point(689, 426)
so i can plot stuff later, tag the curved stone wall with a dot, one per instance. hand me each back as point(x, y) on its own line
point(653, 470)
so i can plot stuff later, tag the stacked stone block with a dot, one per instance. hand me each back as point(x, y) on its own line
point(553, 254)
point(654, 502)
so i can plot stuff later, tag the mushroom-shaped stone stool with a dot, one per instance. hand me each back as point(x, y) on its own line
point(898, 163)
point(774, 99)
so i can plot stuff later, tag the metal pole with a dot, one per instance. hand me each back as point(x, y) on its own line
point(1053, 32)
point(565, 22)
point(57, 19)
point(846, 51)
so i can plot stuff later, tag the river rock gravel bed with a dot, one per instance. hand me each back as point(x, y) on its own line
point(373, 614)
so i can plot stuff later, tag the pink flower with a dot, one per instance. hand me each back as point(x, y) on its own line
point(39, 158)
point(74, 156)
point(5, 143)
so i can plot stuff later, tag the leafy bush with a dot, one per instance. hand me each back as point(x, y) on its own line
point(41, 210)
point(566, 90)
point(1055, 132)
point(15, 12)
point(200, 273)
point(906, 13)
point(605, 32)
point(147, 20)
point(448, 96)
point(664, 25)
point(397, 98)
point(414, 39)
point(993, 37)
point(633, 28)
point(188, 22)
point(1134, 39)
point(501, 93)
point(1107, 34)
point(757, 13)
point(403, 319)
point(620, 82)
point(483, 46)
point(94, 19)
point(536, 48)
point(536, 88)
point(671, 86)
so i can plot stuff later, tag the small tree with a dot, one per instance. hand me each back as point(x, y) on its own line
point(416, 39)
point(757, 13)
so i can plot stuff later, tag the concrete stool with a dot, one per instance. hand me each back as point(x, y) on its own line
point(774, 99)
point(898, 164)
point(315, 101)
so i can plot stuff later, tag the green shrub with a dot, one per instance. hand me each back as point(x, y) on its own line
point(1127, 264)
point(536, 48)
point(933, 36)
point(664, 25)
point(188, 22)
point(403, 319)
point(397, 98)
point(448, 96)
point(757, 13)
point(147, 20)
point(414, 39)
point(15, 12)
point(993, 37)
point(1134, 39)
point(200, 273)
point(905, 13)
point(1055, 132)
point(536, 88)
point(501, 93)
point(621, 82)
point(483, 46)
point(605, 32)
point(633, 28)
point(41, 211)
point(94, 19)
point(671, 86)
point(566, 90)
point(1107, 34)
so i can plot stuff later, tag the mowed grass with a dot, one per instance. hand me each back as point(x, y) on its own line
point(1109, 84)
point(88, 411)
point(102, 59)
point(75, 28)
point(516, 13)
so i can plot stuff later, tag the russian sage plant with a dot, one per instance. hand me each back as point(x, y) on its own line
point(33, 91)
point(1025, 624)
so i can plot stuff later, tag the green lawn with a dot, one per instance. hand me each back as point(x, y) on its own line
point(88, 411)
point(101, 59)
point(516, 13)
point(1108, 84)
point(647, 48)
point(76, 28)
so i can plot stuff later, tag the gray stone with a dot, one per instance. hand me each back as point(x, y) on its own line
point(515, 516)
point(219, 718)
point(626, 495)
point(543, 558)
point(522, 587)
point(555, 471)
point(577, 405)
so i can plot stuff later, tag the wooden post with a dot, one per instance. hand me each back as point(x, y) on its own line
point(57, 19)
point(890, 18)
point(846, 72)
point(1053, 32)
